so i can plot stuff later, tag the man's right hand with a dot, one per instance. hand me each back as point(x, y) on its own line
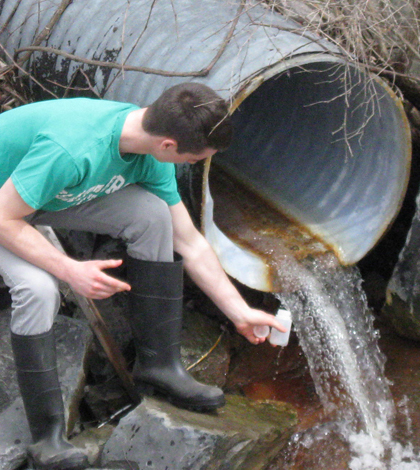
point(88, 279)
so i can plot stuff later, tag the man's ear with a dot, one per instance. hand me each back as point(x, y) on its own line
point(168, 143)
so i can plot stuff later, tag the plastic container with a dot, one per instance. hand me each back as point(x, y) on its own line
point(261, 331)
point(276, 337)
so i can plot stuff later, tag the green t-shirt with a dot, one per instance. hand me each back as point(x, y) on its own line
point(64, 152)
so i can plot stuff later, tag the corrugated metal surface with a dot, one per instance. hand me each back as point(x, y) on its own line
point(291, 146)
point(177, 35)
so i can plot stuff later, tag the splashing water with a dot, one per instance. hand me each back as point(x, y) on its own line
point(336, 332)
point(332, 321)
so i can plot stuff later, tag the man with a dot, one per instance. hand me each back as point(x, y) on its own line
point(107, 167)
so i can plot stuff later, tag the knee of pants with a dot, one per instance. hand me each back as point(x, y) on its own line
point(35, 303)
point(150, 234)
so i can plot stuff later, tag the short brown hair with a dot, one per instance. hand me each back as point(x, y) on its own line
point(192, 114)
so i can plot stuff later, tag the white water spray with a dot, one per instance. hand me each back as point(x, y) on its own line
point(333, 323)
point(335, 330)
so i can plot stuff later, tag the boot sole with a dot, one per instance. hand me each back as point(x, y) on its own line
point(208, 405)
point(81, 464)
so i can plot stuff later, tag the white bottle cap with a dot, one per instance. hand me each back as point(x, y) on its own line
point(261, 331)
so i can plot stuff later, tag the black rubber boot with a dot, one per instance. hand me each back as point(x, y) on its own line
point(156, 319)
point(36, 366)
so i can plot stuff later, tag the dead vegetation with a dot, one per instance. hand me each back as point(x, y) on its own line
point(12, 91)
point(381, 36)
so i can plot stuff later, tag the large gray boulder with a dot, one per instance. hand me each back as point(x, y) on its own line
point(73, 340)
point(402, 308)
point(243, 435)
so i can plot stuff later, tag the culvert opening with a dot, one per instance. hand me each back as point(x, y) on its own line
point(322, 144)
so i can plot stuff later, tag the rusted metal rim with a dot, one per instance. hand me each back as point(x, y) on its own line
point(345, 186)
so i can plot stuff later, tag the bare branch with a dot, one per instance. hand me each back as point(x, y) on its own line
point(45, 33)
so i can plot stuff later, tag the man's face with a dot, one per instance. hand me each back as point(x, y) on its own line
point(170, 154)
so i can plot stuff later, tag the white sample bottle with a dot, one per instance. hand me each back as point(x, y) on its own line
point(277, 338)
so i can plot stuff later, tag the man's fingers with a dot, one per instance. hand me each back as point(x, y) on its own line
point(109, 263)
point(110, 284)
point(115, 284)
point(278, 326)
point(271, 320)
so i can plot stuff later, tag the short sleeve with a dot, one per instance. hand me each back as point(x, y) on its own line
point(160, 179)
point(43, 172)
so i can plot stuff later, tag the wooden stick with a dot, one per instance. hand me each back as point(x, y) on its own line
point(201, 359)
point(98, 325)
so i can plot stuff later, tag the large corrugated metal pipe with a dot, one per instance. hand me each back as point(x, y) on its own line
point(321, 153)
point(324, 146)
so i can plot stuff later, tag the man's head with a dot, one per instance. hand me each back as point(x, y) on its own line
point(193, 115)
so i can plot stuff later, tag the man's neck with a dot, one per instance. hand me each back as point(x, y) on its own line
point(133, 137)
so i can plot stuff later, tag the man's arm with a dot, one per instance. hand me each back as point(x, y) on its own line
point(86, 277)
point(202, 265)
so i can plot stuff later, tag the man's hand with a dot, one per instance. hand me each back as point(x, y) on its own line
point(251, 318)
point(88, 279)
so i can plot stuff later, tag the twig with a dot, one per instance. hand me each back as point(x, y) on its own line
point(124, 60)
point(207, 353)
point(408, 44)
point(45, 33)
point(15, 64)
point(112, 65)
point(98, 63)
point(68, 87)
point(226, 40)
point(12, 13)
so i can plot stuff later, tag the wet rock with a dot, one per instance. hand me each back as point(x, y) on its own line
point(92, 441)
point(321, 447)
point(202, 336)
point(252, 364)
point(105, 399)
point(265, 372)
point(73, 340)
point(402, 368)
point(243, 435)
point(402, 309)
point(318, 444)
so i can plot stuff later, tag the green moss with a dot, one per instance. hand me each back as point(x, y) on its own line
point(404, 318)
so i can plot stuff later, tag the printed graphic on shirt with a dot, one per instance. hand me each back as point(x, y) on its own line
point(115, 183)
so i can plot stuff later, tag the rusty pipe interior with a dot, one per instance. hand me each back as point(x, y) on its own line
point(320, 160)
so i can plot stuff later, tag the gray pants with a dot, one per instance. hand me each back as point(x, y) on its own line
point(139, 218)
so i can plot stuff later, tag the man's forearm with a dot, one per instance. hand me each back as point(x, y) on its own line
point(203, 266)
point(206, 271)
point(25, 241)
point(86, 277)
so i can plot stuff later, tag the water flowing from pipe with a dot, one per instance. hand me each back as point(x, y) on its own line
point(336, 332)
point(334, 325)
point(338, 340)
